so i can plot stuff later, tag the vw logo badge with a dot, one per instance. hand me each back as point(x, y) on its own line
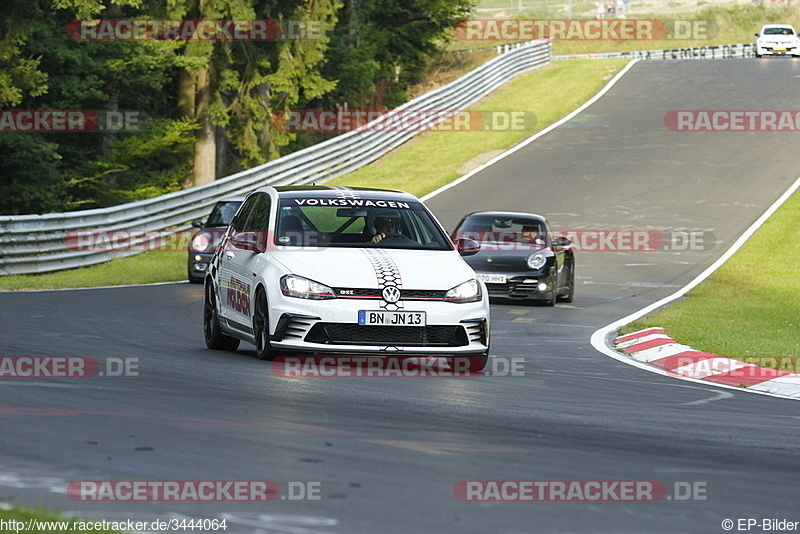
point(391, 294)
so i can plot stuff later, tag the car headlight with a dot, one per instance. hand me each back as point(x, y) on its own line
point(536, 261)
point(469, 291)
point(303, 288)
point(201, 242)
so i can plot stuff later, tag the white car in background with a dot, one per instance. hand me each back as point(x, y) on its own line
point(334, 269)
point(777, 40)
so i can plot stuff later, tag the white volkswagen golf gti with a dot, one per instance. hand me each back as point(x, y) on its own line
point(324, 269)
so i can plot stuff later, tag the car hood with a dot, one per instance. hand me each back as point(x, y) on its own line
point(489, 259)
point(353, 267)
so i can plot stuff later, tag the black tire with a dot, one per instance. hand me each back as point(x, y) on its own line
point(261, 328)
point(571, 285)
point(215, 339)
point(553, 297)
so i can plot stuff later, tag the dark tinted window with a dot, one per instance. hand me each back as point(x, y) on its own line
point(258, 220)
point(489, 228)
point(222, 214)
point(241, 217)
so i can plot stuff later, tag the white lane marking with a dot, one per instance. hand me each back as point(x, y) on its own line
point(601, 337)
point(718, 395)
point(535, 136)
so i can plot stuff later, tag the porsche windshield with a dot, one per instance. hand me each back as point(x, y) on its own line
point(502, 229)
point(359, 222)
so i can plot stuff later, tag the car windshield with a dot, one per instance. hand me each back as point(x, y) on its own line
point(333, 222)
point(223, 213)
point(502, 229)
point(778, 31)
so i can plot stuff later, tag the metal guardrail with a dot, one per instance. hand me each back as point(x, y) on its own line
point(39, 243)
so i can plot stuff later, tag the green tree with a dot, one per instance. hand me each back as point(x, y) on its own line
point(30, 177)
point(233, 87)
point(380, 47)
point(19, 73)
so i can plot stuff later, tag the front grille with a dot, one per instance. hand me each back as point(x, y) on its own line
point(512, 287)
point(405, 294)
point(410, 336)
point(476, 331)
point(292, 326)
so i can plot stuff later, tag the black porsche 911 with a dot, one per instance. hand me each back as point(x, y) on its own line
point(519, 258)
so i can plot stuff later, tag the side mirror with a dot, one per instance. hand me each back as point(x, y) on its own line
point(197, 223)
point(756, 35)
point(467, 246)
point(252, 241)
point(560, 242)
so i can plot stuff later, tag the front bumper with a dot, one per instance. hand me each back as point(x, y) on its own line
point(332, 326)
point(198, 264)
point(523, 286)
point(777, 50)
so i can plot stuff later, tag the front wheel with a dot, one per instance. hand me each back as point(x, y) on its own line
point(261, 328)
point(215, 339)
point(551, 301)
point(570, 285)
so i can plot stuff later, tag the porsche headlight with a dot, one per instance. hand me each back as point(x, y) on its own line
point(303, 288)
point(469, 291)
point(536, 261)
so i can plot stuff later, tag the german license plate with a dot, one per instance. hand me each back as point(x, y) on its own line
point(492, 278)
point(391, 318)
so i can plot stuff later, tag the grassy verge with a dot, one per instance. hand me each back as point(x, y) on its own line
point(145, 268)
point(437, 158)
point(734, 24)
point(749, 309)
point(41, 516)
point(729, 25)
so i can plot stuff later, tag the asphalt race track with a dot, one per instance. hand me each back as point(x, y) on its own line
point(387, 453)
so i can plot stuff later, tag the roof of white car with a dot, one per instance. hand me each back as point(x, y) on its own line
point(332, 191)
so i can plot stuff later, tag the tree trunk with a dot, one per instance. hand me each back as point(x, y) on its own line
point(205, 150)
point(186, 92)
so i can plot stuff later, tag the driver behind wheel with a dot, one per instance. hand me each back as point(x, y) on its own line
point(386, 223)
